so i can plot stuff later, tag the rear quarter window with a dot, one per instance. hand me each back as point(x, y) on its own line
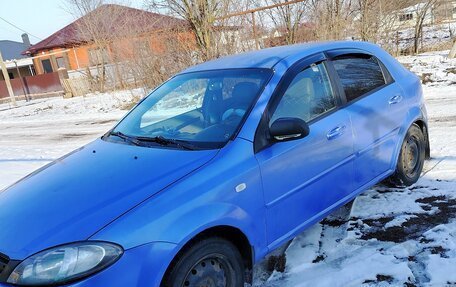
point(359, 75)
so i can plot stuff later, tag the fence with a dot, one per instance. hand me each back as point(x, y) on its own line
point(33, 86)
point(77, 86)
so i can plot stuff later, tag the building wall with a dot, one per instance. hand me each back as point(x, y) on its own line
point(79, 57)
point(69, 58)
point(408, 19)
point(442, 13)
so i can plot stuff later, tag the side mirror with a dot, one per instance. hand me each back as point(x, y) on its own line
point(285, 129)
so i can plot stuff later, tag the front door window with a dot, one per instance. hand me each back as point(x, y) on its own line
point(308, 96)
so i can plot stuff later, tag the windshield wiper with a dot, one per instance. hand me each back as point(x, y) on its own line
point(138, 141)
point(165, 141)
point(126, 138)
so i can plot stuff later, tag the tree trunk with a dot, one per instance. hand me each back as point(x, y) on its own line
point(417, 36)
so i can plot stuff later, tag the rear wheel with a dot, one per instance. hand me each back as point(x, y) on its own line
point(212, 262)
point(411, 159)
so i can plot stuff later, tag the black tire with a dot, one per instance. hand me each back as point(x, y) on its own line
point(212, 262)
point(411, 159)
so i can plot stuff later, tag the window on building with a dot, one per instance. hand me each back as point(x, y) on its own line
point(47, 66)
point(32, 70)
point(406, 17)
point(359, 75)
point(308, 96)
point(61, 63)
point(11, 75)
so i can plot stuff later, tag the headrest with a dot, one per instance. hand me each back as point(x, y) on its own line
point(303, 87)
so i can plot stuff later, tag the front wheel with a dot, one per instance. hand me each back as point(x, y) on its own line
point(411, 159)
point(212, 262)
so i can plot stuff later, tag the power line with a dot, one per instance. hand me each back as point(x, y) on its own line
point(1, 18)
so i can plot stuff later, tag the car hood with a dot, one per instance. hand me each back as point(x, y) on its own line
point(74, 197)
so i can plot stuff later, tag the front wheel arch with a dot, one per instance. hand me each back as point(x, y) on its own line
point(229, 233)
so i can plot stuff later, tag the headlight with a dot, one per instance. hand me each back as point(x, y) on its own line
point(66, 263)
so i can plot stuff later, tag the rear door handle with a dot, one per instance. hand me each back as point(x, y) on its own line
point(335, 132)
point(394, 100)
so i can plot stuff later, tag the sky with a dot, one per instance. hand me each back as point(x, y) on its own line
point(40, 18)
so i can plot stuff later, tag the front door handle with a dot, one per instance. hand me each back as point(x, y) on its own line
point(335, 132)
point(394, 100)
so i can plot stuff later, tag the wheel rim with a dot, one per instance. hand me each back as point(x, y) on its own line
point(210, 271)
point(411, 156)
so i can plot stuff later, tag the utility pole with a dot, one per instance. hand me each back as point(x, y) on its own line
point(22, 81)
point(7, 81)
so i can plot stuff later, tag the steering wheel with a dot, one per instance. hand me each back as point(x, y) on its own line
point(233, 113)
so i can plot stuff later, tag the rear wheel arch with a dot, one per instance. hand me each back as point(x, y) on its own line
point(412, 153)
point(229, 233)
point(420, 123)
point(424, 128)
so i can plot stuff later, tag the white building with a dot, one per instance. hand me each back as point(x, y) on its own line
point(444, 12)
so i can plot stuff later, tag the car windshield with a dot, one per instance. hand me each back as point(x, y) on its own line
point(201, 110)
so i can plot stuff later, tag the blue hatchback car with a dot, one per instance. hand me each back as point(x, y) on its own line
point(216, 168)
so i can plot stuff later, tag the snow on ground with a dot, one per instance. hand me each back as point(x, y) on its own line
point(434, 68)
point(432, 35)
point(387, 237)
point(36, 133)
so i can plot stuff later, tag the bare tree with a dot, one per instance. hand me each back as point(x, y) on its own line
point(129, 47)
point(423, 11)
point(95, 27)
point(148, 67)
point(288, 17)
point(388, 27)
point(240, 33)
point(369, 19)
point(201, 16)
point(377, 21)
point(332, 18)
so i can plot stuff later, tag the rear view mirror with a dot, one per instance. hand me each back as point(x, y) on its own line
point(284, 129)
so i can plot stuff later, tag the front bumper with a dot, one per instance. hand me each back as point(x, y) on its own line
point(142, 266)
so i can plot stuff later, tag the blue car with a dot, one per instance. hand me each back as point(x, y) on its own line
point(215, 169)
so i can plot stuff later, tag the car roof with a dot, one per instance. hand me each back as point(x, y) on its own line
point(268, 58)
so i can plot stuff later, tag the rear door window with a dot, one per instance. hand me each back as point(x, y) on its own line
point(359, 75)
